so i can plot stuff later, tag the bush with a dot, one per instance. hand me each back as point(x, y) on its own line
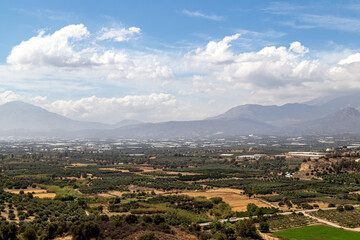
point(245, 228)
point(148, 236)
point(130, 219)
point(340, 208)
point(264, 227)
point(29, 234)
point(216, 200)
point(349, 207)
point(331, 205)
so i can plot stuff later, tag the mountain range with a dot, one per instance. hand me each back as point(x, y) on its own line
point(337, 116)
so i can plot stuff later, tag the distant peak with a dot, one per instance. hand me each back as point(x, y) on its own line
point(349, 111)
point(17, 103)
point(20, 105)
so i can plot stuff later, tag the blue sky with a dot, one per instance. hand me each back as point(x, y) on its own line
point(175, 60)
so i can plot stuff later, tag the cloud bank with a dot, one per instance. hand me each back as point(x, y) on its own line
point(160, 85)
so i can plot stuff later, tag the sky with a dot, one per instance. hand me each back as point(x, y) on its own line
point(175, 60)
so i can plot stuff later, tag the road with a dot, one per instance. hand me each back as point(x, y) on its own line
point(305, 212)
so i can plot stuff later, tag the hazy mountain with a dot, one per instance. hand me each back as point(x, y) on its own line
point(126, 122)
point(23, 119)
point(345, 121)
point(277, 115)
point(352, 100)
point(214, 127)
point(23, 116)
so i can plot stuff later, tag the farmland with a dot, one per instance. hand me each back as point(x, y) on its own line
point(167, 192)
point(317, 232)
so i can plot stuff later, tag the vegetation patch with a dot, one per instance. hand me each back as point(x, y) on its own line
point(343, 217)
point(317, 232)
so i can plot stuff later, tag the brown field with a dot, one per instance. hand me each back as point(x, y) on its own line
point(45, 195)
point(82, 164)
point(151, 169)
point(357, 192)
point(28, 190)
point(321, 204)
point(132, 188)
point(115, 169)
point(233, 197)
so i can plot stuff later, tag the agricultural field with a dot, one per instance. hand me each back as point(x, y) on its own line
point(235, 198)
point(169, 192)
point(282, 222)
point(346, 218)
point(317, 232)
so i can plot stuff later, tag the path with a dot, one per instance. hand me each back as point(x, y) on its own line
point(234, 219)
point(331, 223)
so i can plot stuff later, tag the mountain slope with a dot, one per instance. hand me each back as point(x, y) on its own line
point(201, 128)
point(20, 115)
point(345, 121)
point(277, 115)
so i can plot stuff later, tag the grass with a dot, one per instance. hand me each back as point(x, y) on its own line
point(317, 232)
point(61, 192)
point(184, 213)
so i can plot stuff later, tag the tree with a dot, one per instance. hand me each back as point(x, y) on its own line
point(131, 219)
point(340, 208)
point(29, 234)
point(85, 231)
point(8, 231)
point(245, 228)
point(264, 227)
point(216, 200)
point(251, 208)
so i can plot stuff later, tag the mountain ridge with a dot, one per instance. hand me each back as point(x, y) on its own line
point(292, 118)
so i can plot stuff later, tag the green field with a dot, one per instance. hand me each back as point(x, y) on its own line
point(317, 232)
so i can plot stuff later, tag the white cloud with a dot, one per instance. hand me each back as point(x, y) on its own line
point(109, 110)
point(350, 59)
point(203, 15)
point(119, 34)
point(296, 47)
point(53, 49)
point(64, 51)
point(214, 52)
point(272, 75)
point(67, 63)
point(114, 109)
point(10, 96)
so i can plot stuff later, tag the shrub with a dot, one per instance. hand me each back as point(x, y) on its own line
point(131, 219)
point(148, 236)
point(29, 234)
point(349, 207)
point(340, 208)
point(264, 227)
point(245, 228)
point(216, 200)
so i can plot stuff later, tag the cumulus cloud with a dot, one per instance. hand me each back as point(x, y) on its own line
point(214, 52)
point(350, 59)
point(114, 109)
point(272, 75)
point(64, 50)
point(66, 62)
point(269, 67)
point(119, 34)
point(53, 49)
point(10, 96)
point(109, 110)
